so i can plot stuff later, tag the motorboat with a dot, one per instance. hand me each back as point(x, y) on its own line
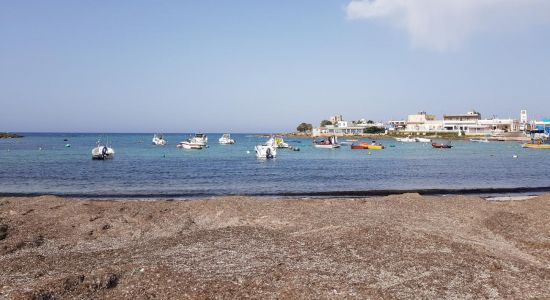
point(102, 152)
point(441, 146)
point(158, 139)
point(189, 145)
point(281, 143)
point(199, 139)
point(370, 146)
point(406, 140)
point(267, 150)
point(479, 140)
point(423, 140)
point(329, 143)
point(226, 139)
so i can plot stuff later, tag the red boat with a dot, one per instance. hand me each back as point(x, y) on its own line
point(441, 146)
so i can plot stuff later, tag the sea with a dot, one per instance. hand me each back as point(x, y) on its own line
point(41, 163)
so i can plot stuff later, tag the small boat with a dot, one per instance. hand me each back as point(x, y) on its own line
point(369, 146)
point(406, 140)
point(479, 140)
point(423, 140)
point(226, 139)
point(330, 143)
point(441, 146)
point(267, 150)
point(158, 139)
point(102, 152)
point(537, 144)
point(200, 139)
point(189, 145)
point(281, 143)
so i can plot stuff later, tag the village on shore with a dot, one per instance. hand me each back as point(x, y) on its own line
point(451, 126)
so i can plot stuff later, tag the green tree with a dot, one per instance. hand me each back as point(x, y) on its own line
point(325, 123)
point(374, 129)
point(370, 122)
point(303, 127)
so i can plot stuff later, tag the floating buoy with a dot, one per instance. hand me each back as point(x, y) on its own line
point(370, 153)
point(247, 151)
point(515, 156)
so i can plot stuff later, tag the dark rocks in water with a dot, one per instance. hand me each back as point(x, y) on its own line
point(7, 135)
point(3, 231)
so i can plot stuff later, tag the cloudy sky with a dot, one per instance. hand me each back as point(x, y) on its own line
point(263, 66)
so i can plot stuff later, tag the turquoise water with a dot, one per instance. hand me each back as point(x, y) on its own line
point(140, 168)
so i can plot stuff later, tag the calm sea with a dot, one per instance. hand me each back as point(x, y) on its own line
point(141, 169)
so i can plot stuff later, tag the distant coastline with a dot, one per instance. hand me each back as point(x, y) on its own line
point(7, 135)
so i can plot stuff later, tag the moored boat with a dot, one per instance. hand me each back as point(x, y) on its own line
point(189, 145)
point(267, 150)
point(226, 139)
point(102, 152)
point(406, 140)
point(329, 143)
point(199, 139)
point(423, 140)
point(537, 144)
point(158, 139)
point(441, 146)
point(369, 146)
point(479, 140)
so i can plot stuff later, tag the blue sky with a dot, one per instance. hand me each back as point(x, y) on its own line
point(265, 66)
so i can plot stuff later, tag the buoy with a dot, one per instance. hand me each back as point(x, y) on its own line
point(370, 153)
point(247, 152)
point(515, 156)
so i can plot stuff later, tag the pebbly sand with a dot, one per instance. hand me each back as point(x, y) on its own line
point(402, 246)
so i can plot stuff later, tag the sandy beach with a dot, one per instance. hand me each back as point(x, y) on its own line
point(402, 246)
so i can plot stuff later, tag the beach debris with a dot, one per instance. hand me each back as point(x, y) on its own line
point(3, 231)
point(106, 226)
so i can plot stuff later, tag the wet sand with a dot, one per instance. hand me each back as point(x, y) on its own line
point(400, 246)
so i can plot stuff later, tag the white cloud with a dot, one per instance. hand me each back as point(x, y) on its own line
point(446, 24)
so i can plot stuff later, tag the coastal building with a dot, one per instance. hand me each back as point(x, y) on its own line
point(423, 122)
point(543, 124)
point(341, 127)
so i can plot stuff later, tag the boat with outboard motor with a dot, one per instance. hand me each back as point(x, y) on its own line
point(441, 146)
point(158, 139)
point(226, 139)
point(280, 142)
point(102, 152)
point(267, 150)
point(329, 143)
point(189, 145)
point(406, 140)
point(199, 139)
point(368, 146)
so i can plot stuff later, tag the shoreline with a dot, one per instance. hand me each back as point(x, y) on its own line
point(320, 194)
point(397, 246)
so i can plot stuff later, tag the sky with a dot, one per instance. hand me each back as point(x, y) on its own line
point(266, 66)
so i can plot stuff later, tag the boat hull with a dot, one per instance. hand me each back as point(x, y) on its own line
point(330, 146)
point(103, 153)
point(265, 151)
point(441, 146)
point(536, 146)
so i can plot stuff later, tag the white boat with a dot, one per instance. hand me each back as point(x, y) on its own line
point(159, 140)
point(406, 140)
point(199, 139)
point(226, 139)
point(281, 143)
point(102, 152)
point(188, 144)
point(267, 150)
point(423, 140)
point(330, 143)
point(479, 140)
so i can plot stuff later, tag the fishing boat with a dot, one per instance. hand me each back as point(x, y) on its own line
point(102, 152)
point(226, 139)
point(479, 140)
point(158, 139)
point(406, 140)
point(199, 139)
point(441, 146)
point(423, 140)
point(267, 150)
point(329, 143)
point(189, 145)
